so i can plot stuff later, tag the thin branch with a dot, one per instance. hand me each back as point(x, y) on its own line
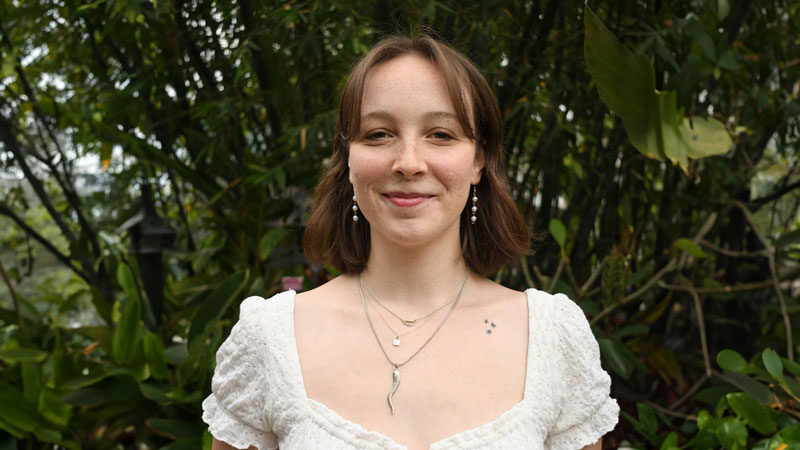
point(595, 273)
point(690, 393)
point(14, 297)
point(735, 288)
point(728, 252)
point(698, 308)
point(11, 144)
point(770, 251)
point(670, 412)
point(775, 195)
point(556, 275)
point(671, 265)
point(6, 211)
point(527, 273)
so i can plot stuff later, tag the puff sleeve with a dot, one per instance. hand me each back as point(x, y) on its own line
point(586, 411)
point(236, 409)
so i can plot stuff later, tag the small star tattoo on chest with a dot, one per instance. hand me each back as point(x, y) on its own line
point(491, 324)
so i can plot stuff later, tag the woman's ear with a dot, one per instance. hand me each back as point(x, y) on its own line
point(478, 164)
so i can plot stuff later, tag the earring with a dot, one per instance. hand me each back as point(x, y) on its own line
point(355, 210)
point(474, 219)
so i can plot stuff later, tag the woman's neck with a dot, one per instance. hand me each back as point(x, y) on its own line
point(415, 280)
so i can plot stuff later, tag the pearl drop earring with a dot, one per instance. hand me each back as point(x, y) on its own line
point(474, 219)
point(355, 210)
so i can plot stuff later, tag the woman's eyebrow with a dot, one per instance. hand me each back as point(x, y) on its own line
point(428, 115)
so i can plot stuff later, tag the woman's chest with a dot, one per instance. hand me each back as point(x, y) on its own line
point(469, 374)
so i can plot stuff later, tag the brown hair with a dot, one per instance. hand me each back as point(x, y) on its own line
point(500, 235)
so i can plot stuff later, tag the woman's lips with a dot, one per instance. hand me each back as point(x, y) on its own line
point(406, 200)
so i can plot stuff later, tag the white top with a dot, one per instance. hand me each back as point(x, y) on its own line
point(259, 399)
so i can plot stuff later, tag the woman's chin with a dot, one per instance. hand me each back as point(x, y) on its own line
point(411, 233)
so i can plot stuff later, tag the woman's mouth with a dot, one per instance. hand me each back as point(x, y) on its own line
point(406, 199)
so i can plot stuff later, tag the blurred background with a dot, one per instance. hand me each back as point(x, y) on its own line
point(157, 160)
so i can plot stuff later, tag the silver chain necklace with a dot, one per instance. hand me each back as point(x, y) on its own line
point(396, 371)
point(395, 335)
point(408, 323)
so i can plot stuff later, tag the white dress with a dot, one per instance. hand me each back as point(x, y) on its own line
point(259, 399)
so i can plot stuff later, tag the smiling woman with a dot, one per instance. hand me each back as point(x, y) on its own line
point(413, 346)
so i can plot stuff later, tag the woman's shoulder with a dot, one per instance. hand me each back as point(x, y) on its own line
point(259, 316)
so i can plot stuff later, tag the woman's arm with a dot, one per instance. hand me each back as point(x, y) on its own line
point(219, 445)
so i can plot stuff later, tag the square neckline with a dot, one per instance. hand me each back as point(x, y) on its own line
point(357, 429)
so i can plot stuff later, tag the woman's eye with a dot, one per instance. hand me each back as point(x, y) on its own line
point(374, 136)
point(441, 135)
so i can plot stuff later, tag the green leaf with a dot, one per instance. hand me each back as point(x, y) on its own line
point(126, 335)
point(126, 281)
point(647, 418)
point(23, 355)
point(697, 31)
point(757, 390)
point(109, 390)
point(752, 412)
point(671, 442)
point(705, 137)
point(704, 440)
point(269, 241)
point(626, 84)
point(688, 246)
point(723, 8)
point(773, 364)
point(154, 355)
point(630, 330)
point(53, 409)
point(156, 393)
point(179, 429)
point(732, 433)
point(558, 231)
point(31, 381)
point(215, 305)
point(17, 411)
point(732, 361)
point(613, 355)
point(704, 420)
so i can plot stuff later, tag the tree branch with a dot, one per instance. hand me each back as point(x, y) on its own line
point(6, 211)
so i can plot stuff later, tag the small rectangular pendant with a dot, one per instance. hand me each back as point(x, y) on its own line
point(396, 341)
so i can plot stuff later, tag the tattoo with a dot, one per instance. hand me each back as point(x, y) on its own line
point(489, 331)
point(491, 324)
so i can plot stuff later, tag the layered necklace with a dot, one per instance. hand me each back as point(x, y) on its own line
point(396, 365)
point(408, 323)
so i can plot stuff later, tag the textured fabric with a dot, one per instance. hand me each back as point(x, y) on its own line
point(258, 397)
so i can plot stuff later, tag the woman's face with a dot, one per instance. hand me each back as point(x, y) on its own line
point(411, 164)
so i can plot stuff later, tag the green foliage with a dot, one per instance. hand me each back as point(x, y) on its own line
point(626, 83)
point(227, 109)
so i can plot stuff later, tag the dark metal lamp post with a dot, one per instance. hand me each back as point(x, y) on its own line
point(150, 234)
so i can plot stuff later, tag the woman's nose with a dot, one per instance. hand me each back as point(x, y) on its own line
point(409, 160)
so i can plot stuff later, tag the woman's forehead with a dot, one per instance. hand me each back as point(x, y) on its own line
point(408, 86)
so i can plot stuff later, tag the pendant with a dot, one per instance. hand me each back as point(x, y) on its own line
point(395, 383)
point(396, 341)
point(409, 323)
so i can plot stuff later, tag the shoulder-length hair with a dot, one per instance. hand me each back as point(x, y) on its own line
point(500, 235)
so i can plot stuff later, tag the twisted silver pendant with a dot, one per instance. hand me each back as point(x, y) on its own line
point(395, 383)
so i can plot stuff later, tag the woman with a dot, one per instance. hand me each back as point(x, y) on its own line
point(412, 346)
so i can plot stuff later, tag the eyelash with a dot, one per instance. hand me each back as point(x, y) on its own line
point(376, 135)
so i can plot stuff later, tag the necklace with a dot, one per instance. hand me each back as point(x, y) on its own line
point(408, 323)
point(395, 335)
point(396, 371)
